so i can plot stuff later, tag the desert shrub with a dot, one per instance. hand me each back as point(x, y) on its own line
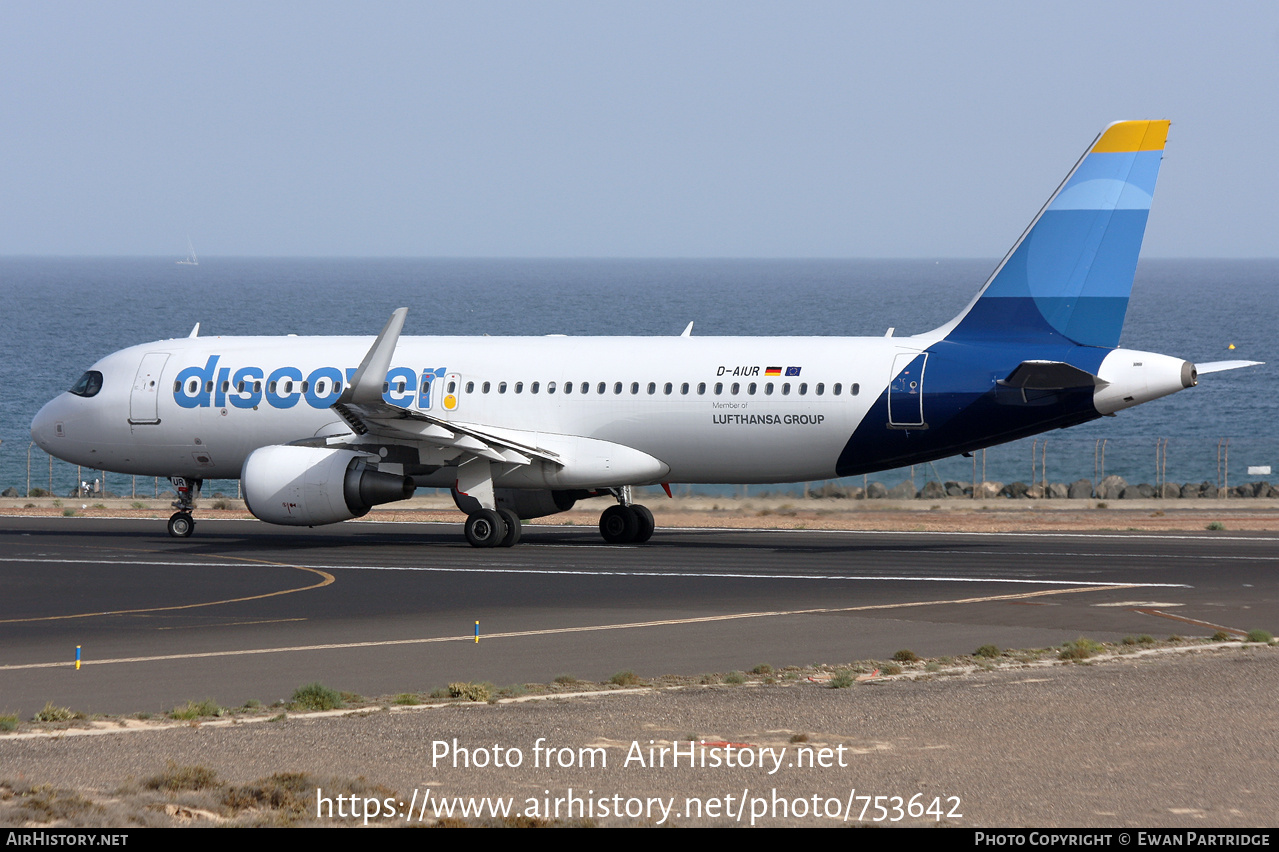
point(315, 696)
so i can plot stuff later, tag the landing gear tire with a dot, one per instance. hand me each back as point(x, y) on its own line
point(619, 524)
point(181, 525)
point(513, 528)
point(646, 523)
point(485, 529)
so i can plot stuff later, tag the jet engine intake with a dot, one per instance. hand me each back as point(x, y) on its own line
point(310, 486)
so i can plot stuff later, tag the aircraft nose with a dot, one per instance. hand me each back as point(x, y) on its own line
point(47, 425)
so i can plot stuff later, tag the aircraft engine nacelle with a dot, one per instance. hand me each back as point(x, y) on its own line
point(309, 486)
point(525, 502)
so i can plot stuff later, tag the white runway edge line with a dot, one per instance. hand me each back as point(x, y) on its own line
point(673, 573)
point(776, 530)
point(705, 619)
point(390, 523)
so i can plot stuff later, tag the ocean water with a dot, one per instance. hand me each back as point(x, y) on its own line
point(62, 314)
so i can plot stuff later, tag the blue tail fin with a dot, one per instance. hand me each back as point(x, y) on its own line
point(1070, 274)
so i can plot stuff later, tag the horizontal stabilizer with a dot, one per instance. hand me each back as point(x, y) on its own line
point(1222, 366)
point(1051, 375)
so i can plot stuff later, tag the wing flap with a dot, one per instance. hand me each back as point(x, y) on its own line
point(389, 421)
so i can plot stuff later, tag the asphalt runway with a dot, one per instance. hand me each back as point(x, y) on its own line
point(246, 611)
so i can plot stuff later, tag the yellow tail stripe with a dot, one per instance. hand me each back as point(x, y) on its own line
point(1128, 136)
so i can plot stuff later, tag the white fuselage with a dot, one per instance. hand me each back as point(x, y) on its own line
point(707, 408)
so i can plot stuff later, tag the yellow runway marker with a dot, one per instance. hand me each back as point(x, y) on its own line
point(586, 629)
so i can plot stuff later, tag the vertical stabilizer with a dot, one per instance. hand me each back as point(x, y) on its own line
point(1070, 274)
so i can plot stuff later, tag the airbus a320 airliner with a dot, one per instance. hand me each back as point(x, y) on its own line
point(320, 429)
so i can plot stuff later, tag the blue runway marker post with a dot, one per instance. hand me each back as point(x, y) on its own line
point(477, 633)
point(77, 656)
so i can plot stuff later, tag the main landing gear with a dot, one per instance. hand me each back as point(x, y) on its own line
point(493, 528)
point(627, 524)
point(181, 524)
point(490, 525)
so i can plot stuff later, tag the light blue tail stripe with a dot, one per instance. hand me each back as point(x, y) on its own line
point(1076, 263)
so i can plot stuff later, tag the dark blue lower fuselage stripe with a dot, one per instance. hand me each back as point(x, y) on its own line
point(965, 408)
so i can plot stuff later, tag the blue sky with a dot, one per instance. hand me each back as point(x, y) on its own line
point(691, 129)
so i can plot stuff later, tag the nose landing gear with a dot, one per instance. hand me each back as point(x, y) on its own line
point(181, 524)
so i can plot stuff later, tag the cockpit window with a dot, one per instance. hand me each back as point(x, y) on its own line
point(88, 385)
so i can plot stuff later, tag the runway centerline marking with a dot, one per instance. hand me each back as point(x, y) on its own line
point(489, 637)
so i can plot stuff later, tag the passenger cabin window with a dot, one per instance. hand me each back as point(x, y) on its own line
point(719, 388)
point(533, 387)
point(856, 387)
point(750, 389)
point(701, 388)
point(736, 387)
point(821, 388)
point(652, 388)
point(89, 384)
point(634, 387)
point(486, 386)
point(470, 387)
point(501, 387)
point(519, 387)
point(684, 388)
point(768, 389)
point(786, 389)
point(586, 387)
point(836, 388)
point(803, 388)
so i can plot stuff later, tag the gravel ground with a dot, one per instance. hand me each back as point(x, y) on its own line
point(1185, 739)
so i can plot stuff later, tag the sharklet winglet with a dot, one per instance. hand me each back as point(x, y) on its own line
point(366, 384)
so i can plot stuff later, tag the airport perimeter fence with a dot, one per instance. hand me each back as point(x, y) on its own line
point(1047, 468)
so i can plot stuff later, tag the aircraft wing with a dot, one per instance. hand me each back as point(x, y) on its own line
point(383, 420)
point(362, 407)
